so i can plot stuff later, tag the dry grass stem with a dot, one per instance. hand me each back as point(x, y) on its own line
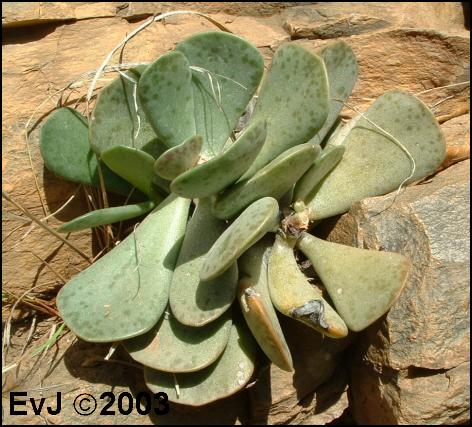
point(58, 275)
point(45, 226)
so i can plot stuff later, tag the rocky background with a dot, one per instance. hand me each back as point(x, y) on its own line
point(411, 367)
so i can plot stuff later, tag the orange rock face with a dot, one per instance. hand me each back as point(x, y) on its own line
point(415, 47)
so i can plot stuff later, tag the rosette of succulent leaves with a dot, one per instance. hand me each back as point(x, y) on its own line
point(228, 207)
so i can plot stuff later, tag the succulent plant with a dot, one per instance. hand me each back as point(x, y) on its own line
point(168, 291)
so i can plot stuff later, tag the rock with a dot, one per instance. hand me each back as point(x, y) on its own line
point(34, 13)
point(332, 20)
point(74, 38)
point(279, 397)
point(15, 14)
point(330, 400)
point(413, 397)
point(140, 9)
point(403, 364)
point(457, 134)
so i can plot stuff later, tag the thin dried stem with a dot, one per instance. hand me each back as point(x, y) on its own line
point(91, 206)
point(63, 206)
point(99, 254)
point(112, 350)
point(7, 330)
point(35, 303)
point(45, 226)
point(15, 229)
point(443, 87)
point(58, 275)
point(137, 31)
point(135, 102)
point(30, 335)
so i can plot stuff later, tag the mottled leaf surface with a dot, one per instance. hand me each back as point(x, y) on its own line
point(66, 151)
point(294, 101)
point(373, 163)
point(195, 302)
point(114, 120)
point(134, 165)
point(274, 180)
point(125, 292)
point(227, 74)
point(224, 169)
point(341, 66)
point(323, 164)
point(229, 374)
point(173, 347)
point(258, 219)
point(107, 216)
point(165, 92)
point(177, 160)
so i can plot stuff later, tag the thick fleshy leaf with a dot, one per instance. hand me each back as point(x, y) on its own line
point(156, 149)
point(341, 66)
point(294, 101)
point(124, 293)
point(257, 220)
point(134, 165)
point(165, 92)
point(227, 71)
point(328, 159)
point(177, 160)
point(274, 180)
point(66, 151)
point(257, 307)
point(224, 169)
point(229, 374)
point(173, 347)
point(363, 284)
point(194, 302)
point(294, 296)
point(107, 216)
point(373, 163)
point(115, 117)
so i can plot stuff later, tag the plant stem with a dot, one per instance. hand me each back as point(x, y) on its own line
point(45, 226)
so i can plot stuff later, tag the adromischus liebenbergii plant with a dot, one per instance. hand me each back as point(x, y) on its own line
point(167, 129)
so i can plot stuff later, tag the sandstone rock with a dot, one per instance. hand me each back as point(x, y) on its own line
point(332, 20)
point(279, 397)
point(19, 14)
point(330, 400)
point(404, 364)
point(412, 397)
point(457, 134)
point(25, 12)
point(137, 9)
point(457, 131)
point(75, 38)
